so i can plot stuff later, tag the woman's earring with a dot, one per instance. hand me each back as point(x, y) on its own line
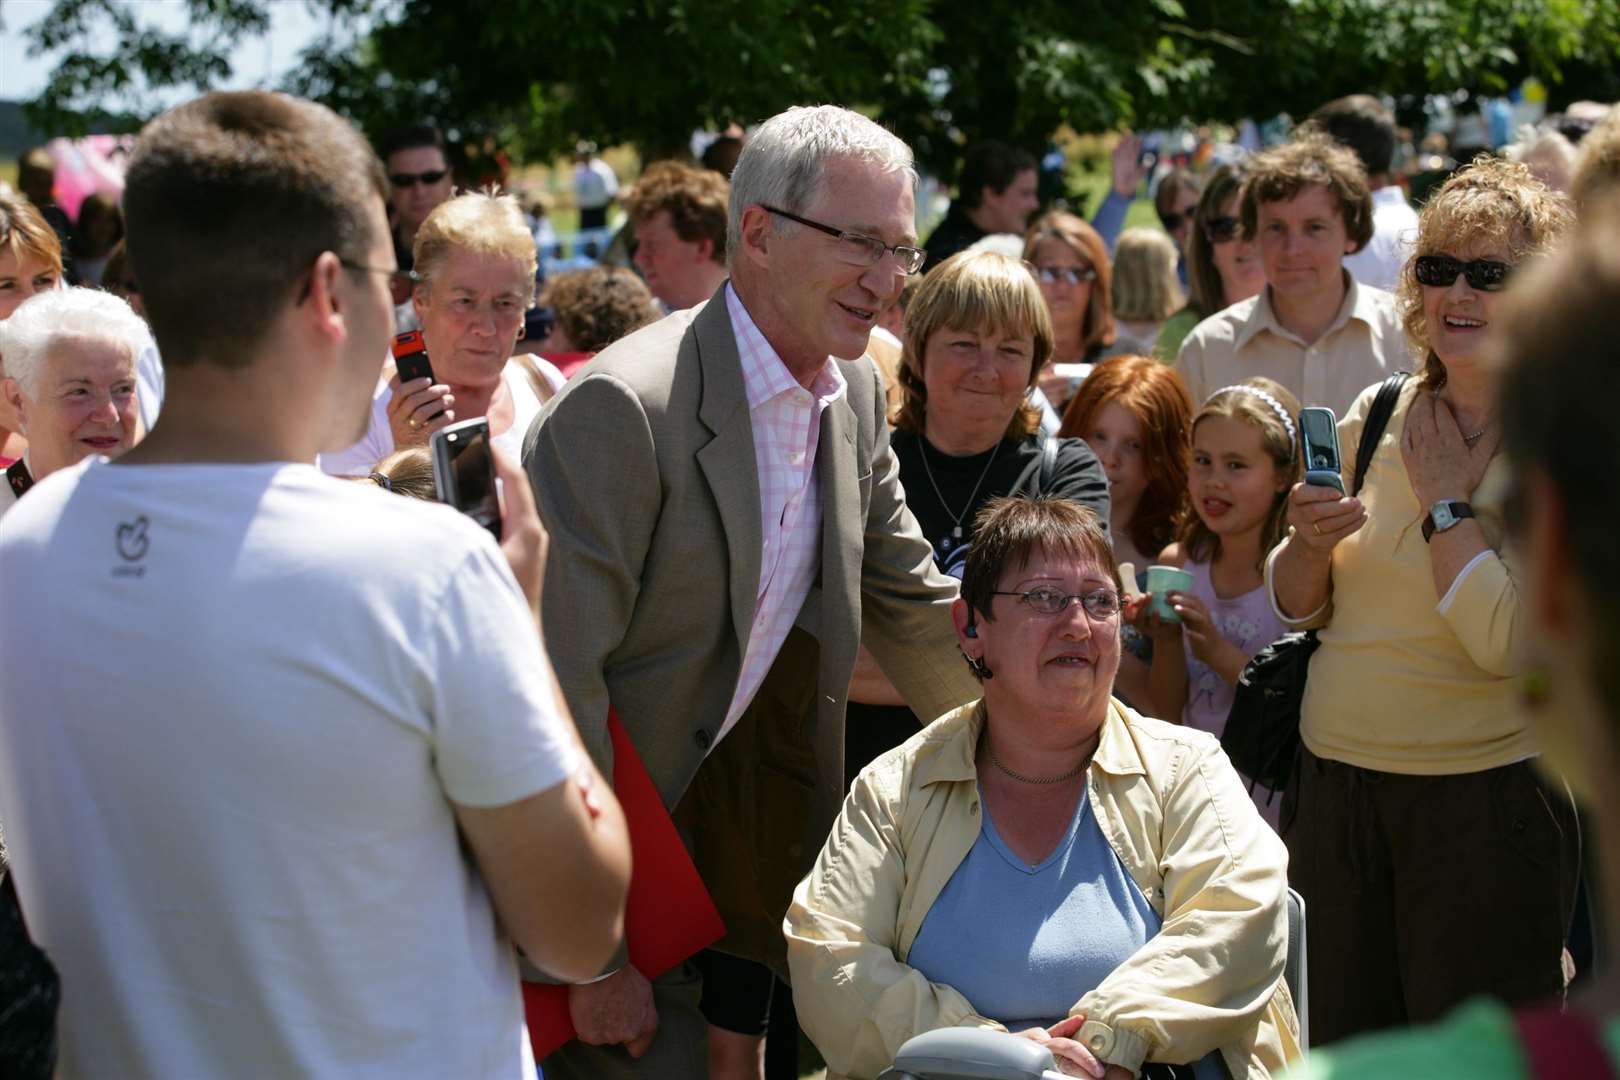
point(977, 665)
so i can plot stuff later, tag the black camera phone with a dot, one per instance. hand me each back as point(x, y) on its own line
point(464, 472)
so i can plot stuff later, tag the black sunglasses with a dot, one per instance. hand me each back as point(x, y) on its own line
point(1221, 229)
point(1439, 271)
point(405, 179)
point(1172, 221)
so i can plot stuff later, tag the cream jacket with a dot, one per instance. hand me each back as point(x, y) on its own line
point(1177, 815)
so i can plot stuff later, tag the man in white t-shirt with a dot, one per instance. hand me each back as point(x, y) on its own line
point(1363, 124)
point(283, 766)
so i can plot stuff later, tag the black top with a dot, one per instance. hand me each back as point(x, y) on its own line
point(955, 233)
point(1016, 469)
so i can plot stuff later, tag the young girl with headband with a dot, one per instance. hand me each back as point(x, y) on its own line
point(1245, 459)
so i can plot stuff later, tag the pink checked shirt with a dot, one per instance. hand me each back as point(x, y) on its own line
point(787, 426)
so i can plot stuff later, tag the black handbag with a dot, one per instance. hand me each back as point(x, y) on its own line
point(1262, 730)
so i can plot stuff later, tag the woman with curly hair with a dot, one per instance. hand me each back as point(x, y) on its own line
point(1434, 861)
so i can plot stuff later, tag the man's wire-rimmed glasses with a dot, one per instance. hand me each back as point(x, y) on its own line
point(858, 249)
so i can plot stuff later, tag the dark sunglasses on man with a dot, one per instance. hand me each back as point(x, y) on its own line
point(1440, 271)
point(405, 179)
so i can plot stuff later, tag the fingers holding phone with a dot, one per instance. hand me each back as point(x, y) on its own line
point(1322, 516)
point(417, 409)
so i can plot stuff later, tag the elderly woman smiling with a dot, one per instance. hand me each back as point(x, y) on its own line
point(70, 367)
point(474, 278)
point(1047, 861)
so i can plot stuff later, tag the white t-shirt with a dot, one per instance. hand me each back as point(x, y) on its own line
point(1395, 230)
point(378, 441)
point(236, 703)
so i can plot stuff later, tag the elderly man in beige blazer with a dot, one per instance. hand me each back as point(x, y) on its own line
point(727, 526)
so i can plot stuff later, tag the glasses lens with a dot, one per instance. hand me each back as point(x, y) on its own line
point(1045, 601)
point(1172, 221)
point(1436, 270)
point(409, 179)
point(911, 259)
point(1487, 275)
point(859, 250)
point(1102, 604)
point(1221, 229)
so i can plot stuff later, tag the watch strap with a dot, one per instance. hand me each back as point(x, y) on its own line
point(1458, 511)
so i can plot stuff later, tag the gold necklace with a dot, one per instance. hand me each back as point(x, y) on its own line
point(1070, 775)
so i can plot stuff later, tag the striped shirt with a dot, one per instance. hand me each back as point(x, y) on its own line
point(786, 419)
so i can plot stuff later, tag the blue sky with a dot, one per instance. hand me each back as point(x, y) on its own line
point(257, 62)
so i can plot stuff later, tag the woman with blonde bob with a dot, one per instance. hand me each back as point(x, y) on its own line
point(1146, 289)
point(976, 336)
point(1415, 785)
point(1045, 861)
point(474, 263)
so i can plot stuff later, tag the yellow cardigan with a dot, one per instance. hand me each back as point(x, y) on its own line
point(1177, 815)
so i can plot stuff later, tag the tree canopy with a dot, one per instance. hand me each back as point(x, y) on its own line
point(540, 74)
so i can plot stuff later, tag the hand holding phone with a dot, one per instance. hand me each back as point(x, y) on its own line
point(414, 415)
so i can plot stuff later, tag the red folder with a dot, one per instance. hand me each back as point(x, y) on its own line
point(668, 916)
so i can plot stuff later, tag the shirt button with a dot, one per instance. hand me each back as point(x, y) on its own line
point(796, 457)
point(1097, 1042)
point(702, 738)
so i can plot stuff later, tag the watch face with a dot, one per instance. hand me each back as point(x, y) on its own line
point(1443, 517)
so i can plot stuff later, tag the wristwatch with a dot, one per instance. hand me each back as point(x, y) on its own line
point(1443, 515)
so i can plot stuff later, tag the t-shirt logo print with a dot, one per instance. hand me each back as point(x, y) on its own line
point(132, 543)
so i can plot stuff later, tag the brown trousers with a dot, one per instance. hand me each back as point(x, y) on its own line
point(1423, 891)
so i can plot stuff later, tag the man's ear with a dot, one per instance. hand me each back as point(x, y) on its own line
point(705, 250)
point(321, 310)
point(757, 235)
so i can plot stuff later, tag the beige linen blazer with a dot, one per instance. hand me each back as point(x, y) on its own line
point(644, 470)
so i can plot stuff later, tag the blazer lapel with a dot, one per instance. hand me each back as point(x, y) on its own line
point(842, 525)
point(727, 460)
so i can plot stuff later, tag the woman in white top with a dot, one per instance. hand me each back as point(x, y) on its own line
point(474, 279)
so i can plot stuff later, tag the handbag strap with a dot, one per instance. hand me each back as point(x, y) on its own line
point(1049, 449)
point(1562, 1044)
point(1383, 407)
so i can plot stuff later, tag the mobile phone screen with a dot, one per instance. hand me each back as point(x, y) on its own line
point(463, 453)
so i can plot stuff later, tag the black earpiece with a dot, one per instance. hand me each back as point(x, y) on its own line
point(971, 631)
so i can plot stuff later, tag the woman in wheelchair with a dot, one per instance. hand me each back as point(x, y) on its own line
point(1045, 861)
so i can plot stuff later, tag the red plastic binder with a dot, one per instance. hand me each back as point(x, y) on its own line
point(669, 915)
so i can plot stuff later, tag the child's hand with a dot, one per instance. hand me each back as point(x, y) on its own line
point(1139, 611)
point(1196, 624)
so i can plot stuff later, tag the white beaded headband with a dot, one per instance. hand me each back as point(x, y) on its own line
point(1269, 399)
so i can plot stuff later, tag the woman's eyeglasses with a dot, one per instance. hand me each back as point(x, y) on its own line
point(1044, 600)
point(1222, 229)
point(1069, 275)
point(1440, 271)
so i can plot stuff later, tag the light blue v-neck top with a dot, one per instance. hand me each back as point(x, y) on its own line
point(1024, 943)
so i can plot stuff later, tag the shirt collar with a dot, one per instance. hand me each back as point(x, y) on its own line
point(1389, 196)
point(950, 758)
point(1357, 304)
point(765, 376)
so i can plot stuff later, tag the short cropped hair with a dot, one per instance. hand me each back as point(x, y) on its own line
point(782, 165)
point(1557, 400)
point(695, 199)
point(228, 201)
point(977, 291)
point(1598, 166)
point(24, 231)
point(993, 165)
point(1311, 157)
point(47, 320)
point(1361, 123)
point(1490, 202)
point(1012, 529)
point(1146, 288)
point(413, 137)
point(1097, 326)
point(598, 306)
point(483, 222)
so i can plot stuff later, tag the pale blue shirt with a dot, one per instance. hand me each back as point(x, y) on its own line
point(1023, 943)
